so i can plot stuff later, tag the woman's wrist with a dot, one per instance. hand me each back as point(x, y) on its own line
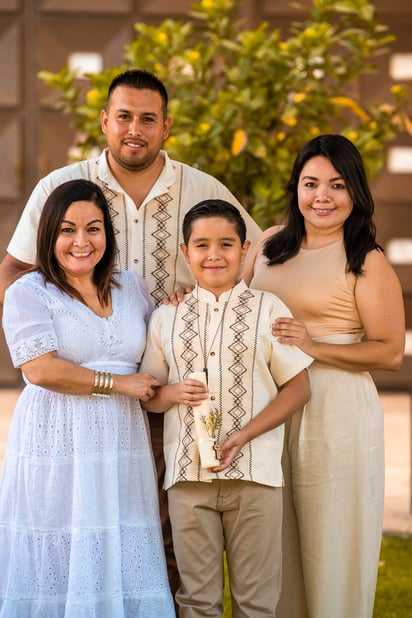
point(102, 384)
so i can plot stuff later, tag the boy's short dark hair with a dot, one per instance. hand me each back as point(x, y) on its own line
point(214, 208)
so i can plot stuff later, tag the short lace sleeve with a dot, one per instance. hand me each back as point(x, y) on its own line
point(138, 286)
point(27, 321)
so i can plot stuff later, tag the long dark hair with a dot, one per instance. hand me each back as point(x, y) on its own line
point(359, 233)
point(51, 217)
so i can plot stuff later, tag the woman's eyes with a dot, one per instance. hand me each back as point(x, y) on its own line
point(71, 230)
point(313, 185)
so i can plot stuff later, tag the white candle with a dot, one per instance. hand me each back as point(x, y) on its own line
point(202, 410)
point(205, 442)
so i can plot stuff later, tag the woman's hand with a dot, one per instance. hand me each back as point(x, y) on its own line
point(292, 332)
point(137, 385)
point(187, 392)
point(61, 376)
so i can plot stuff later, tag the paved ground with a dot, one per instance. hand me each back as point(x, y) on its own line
point(398, 412)
point(398, 443)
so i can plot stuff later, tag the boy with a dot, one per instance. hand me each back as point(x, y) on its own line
point(222, 328)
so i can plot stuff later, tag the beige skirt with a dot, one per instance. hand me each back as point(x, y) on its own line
point(334, 495)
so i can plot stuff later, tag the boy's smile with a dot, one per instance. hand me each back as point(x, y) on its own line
point(214, 253)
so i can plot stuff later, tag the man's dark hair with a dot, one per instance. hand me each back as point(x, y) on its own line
point(141, 80)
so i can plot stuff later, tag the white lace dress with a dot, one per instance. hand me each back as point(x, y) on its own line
point(80, 535)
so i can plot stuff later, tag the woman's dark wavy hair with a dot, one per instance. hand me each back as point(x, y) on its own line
point(359, 229)
point(49, 228)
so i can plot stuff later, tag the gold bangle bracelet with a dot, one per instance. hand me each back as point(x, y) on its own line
point(111, 384)
point(103, 383)
point(96, 380)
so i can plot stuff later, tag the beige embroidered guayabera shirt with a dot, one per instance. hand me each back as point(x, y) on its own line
point(245, 367)
point(148, 238)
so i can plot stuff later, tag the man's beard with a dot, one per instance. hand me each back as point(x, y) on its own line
point(135, 164)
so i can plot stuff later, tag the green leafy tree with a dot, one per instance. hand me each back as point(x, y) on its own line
point(244, 101)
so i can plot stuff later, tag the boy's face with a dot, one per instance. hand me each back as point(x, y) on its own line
point(214, 253)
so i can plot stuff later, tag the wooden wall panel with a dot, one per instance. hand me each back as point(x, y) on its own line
point(11, 167)
point(10, 60)
point(86, 6)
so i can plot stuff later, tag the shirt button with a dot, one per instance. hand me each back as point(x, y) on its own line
point(135, 261)
point(212, 354)
point(212, 398)
point(216, 309)
point(136, 221)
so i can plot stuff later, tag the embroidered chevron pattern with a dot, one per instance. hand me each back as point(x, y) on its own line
point(109, 195)
point(114, 213)
point(188, 333)
point(160, 253)
point(238, 369)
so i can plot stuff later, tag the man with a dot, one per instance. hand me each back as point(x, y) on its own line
point(148, 195)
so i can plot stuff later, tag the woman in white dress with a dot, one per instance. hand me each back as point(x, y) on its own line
point(80, 533)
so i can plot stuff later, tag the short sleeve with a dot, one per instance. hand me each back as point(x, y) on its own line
point(138, 291)
point(154, 358)
point(27, 322)
point(22, 245)
point(145, 295)
point(286, 360)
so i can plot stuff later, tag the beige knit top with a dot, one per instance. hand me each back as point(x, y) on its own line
point(316, 288)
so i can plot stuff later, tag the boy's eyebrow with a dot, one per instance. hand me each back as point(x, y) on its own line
point(198, 239)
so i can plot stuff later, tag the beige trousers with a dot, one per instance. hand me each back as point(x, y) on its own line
point(242, 518)
point(333, 499)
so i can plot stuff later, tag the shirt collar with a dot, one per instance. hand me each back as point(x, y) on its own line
point(165, 180)
point(208, 297)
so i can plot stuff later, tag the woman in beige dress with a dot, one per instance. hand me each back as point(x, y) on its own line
point(326, 265)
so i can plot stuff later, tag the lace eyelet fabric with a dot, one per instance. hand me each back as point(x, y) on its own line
point(80, 535)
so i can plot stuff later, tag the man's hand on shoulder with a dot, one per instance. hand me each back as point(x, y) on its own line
point(177, 297)
point(10, 270)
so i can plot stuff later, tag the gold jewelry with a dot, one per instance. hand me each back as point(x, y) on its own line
point(103, 383)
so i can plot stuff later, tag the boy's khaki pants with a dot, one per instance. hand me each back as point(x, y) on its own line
point(241, 517)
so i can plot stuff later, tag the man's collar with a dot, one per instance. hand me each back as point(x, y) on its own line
point(165, 180)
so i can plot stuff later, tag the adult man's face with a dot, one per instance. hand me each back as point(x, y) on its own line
point(135, 127)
